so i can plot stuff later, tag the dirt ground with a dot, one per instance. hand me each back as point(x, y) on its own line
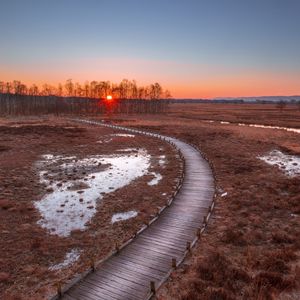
point(251, 247)
point(28, 250)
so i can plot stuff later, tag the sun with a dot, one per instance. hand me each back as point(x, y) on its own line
point(109, 97)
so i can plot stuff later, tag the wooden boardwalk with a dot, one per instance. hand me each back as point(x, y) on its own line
point(148, 258)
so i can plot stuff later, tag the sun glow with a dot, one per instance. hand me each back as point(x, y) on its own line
point(109, 97)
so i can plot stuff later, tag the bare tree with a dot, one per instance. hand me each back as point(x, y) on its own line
point(69, 87)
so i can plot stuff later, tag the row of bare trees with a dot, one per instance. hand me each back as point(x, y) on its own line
point(20, 105)
point(126, 89)
point(73, 98)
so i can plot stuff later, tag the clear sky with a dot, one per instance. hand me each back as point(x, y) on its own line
point(195, 48)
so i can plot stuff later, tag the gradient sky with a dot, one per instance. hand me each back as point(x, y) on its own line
point(195, 48)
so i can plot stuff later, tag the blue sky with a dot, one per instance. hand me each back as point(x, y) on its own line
point(196, 48)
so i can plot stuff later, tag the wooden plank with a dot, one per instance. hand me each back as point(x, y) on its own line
point(165, 242)
point(147, 254)
point(157, 251)
point(144, 267)
point(165, 265)
point(110, 291)
point(135, 278)
point(82, 293)
point(101, 277)
point(157, 266)
point(114, 285)
point(134, 268)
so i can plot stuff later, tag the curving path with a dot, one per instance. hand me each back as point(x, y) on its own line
point(145, 263)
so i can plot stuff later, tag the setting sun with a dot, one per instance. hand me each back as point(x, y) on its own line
point(109, 97)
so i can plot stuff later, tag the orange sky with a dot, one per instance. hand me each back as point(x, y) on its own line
point(182, 79)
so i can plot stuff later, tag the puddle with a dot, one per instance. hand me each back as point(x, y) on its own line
point(156, 179)
point(70, 258)
point(71, 200)
point(123, 216)
point(296, 130)
point(289, 164)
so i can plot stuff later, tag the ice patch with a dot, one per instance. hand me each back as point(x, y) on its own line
point(123, 135)
point(106, 140)
point(110, 137)
point(70, 258)
point(289, 164)
point(70, 204)
point(156, 179)
point(296, 130)
point(162, 160)
point(123, 216)
point(128, 150)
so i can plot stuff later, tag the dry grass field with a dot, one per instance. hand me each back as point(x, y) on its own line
point(251, 247)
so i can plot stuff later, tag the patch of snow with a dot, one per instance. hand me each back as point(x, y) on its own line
point(70, 258)
point(123, 216)
point(70, 205)
point(128, 150)
point(289, 164)
point(156, 179)
point(296, 130)
point(110, 137)
point(162, 160)
point(123, 135)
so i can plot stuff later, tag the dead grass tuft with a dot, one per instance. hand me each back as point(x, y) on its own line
point(274, 280)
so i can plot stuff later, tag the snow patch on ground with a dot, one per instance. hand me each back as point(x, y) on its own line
point(156, 179)
point(296, 130)
point(128, 150)
point(123, 135)
point(162, 160)
point(70, 258)
point(123, 216)
point(110, 137)
point(71, 204)
point(289, 164)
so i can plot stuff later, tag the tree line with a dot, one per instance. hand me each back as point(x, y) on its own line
point(18, 99)
point(126, 89)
